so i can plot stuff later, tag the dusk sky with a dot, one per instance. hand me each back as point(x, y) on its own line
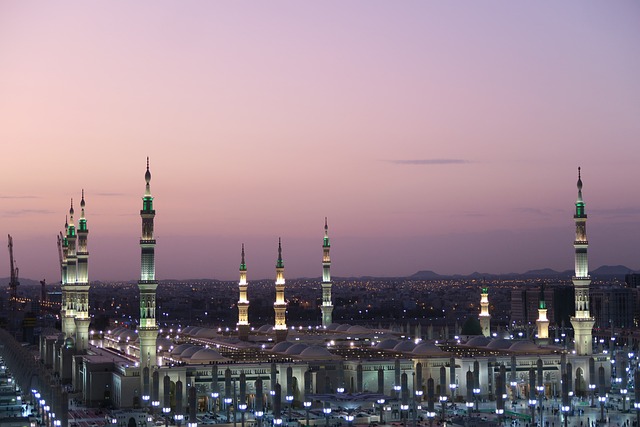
point(434, 135)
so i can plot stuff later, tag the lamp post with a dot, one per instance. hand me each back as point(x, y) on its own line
point(289, 400)
point(243, 408)
point(417, 406)
point(227, 405)
point(327, 413)
point(214, 403)
point(307, 405)
point(349, 419)
point(381, 403)
point(403, 413)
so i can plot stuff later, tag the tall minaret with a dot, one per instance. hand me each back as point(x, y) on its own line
point(327, 306)
point(148, 329)
point(542, 322)
point(82, 318)
point(485, 317)
point(72, 275)
point(64, 247)
point(582, 322)
point(280, 306)
point(243, 302)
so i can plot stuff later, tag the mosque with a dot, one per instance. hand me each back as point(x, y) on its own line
point(263, 368)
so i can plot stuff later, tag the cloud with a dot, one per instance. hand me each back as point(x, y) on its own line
point(532, 211)
point(24, 212)
point(430, 162)
point(106, 194)
point(616, 212)
point(19, 197)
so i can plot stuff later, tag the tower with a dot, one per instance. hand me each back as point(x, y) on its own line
point(280, 306)
point(148, 329)
point(582, 322)
point(327, 306)
point(542, 322)
point(71, 278)
point(485, 317)
point(64, 251)
point(82, 318)
point(243, 302)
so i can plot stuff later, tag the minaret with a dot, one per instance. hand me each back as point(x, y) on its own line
point(327, 306)
point(64, 249)
point(71, 278)
point(485, 317)
point(148, 329)
point(280, 306)
point(82, 318)
point(243, 302)
point(542, 322)
point(582, 322)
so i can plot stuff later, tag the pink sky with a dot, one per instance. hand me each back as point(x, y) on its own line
point(434, 135)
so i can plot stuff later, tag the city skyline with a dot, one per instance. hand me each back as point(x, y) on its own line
point(432, 136)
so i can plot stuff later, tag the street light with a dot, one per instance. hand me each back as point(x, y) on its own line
point(327, 413)
point(242, 407)
point(349, 419)
point(214, 397)
point(165, 411)
point(381, 403)
point(227, 402)
point(289, 400)
point(307, 405)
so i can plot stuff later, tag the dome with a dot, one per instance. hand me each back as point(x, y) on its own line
point(281, 347)
point(188, 330)
point(206, 355)
point(427, 348)
point(296, 349)
point(499, 344)
point(164, 343)
point(404, 346)
point(387, 344)
point(179, 349)
point(478, 341)
point(265, 329)
point(333, 326)
point(206, 333)
point(190, 351)
point(524, 346)
point(343, 328)
point(316, 353)
point(357, 329)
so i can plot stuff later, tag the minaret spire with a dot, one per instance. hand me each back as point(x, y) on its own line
point(148, 328)
point(582, 322)
point(72, 276)
point(243, 301)
point(280, 306)
point(82, 318)
point(327, 305)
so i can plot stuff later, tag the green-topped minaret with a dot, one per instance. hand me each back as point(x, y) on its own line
point(485, 317)
point(542, 322)
point(82, 318)
point(72, 277)
point(582, 322)
point(327, 304)
point(243, 301)
point(148, 328)
point(280, 305)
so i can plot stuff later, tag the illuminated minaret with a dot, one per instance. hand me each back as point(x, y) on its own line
point(280, 306)
point(72, 274)
point(243, 302)
point(82, 318)
point(485, 317)
point(148, 329)
point(542, 322)
point(327, 306)
point(582, 322)
point(64, 247)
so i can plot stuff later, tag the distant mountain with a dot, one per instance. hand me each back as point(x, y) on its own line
point(4, 281)
point(605, 271)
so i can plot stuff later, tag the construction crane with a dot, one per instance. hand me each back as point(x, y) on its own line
point(13, 284)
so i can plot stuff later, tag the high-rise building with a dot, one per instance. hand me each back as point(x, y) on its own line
point(148, 329)
point(582, 321)
point(327, 304)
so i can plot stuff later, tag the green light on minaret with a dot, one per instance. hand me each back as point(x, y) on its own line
point(325, 242)
point(280, 263)
point(243, 265)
